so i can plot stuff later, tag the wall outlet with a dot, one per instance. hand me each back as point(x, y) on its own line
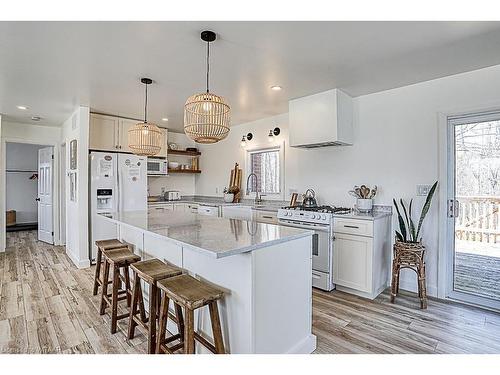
point(423, 190)
point(216, 190)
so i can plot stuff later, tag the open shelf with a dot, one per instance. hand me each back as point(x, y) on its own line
point(184, 171)
point(183, 153)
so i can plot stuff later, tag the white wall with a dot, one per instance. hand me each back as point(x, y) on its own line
point(396, 147)
point(35, 134)
point(77, 245)
point(185, 183)
point(21, 192)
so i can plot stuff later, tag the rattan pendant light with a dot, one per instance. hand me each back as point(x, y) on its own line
point(144, 138)
point(207, 116)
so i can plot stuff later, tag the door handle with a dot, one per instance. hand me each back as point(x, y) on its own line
point(457, 208)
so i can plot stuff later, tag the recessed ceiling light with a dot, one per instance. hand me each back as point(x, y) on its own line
point(164, 119)
point(36, 118)
point(276, 88)
point(22, 107)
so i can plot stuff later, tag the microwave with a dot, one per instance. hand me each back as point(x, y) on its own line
point(157, 167)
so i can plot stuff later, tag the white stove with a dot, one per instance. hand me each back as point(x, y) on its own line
point(320, 220)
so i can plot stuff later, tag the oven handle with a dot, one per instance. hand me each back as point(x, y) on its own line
point(323, 228)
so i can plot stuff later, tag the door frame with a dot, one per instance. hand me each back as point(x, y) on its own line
point(55, 207)
point(446, 153)
point(62, 195)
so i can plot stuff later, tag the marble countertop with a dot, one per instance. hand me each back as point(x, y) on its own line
point(214, 236)
point(216, 201)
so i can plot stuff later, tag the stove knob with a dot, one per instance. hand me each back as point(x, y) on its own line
point(323, 217)
point(313, 216)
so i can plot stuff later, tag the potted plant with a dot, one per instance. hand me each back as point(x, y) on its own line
point(407, 232)
point(408, 248)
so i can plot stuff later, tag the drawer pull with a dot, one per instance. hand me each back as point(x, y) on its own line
point(351, 226)
point(267, 217)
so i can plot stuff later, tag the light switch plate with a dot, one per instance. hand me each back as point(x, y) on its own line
point(423, 190)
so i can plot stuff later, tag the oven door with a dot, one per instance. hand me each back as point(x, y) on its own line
point(320, 247)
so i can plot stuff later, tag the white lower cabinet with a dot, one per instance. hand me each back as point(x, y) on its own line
point(362, 255)
point(352, 262)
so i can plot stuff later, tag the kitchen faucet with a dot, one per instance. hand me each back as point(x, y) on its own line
point(258, 199)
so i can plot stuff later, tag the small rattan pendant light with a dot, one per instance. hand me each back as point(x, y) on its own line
point(144, 138)
point(207, 116)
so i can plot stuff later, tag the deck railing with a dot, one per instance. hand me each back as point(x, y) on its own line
point(478, 219)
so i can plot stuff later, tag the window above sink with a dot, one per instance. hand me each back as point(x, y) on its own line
point(267, 164)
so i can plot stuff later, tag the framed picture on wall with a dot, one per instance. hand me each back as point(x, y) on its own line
point(73, 154)
point(72, 186)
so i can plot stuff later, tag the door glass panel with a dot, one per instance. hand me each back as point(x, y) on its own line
point(477, 190)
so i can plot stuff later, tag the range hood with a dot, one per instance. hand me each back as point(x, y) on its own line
point(320, 120)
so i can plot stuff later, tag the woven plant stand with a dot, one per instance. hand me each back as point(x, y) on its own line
point(409, 255)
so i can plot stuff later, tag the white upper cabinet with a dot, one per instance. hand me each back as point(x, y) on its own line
point(109, 133)
point(323, 119)
point(103, 134)
point(125, 125)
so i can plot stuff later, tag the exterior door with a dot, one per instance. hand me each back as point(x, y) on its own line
point(45, 195)
point(473, 216)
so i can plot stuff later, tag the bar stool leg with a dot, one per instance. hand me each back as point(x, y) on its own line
point(97, 271)
point(189, 332)
point(153, 295)
point(216, 328)
point(114, 298)
point(104, 290)
point(127, 285)
point(133, 308)
point(162, 330)
point(180, 320)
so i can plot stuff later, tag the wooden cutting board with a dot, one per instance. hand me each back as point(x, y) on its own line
point(235, 182)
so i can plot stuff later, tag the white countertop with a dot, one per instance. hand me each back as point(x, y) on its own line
point(215, 236)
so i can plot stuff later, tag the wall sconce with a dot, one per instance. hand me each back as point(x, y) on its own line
point(246, 138)
point(273, 133)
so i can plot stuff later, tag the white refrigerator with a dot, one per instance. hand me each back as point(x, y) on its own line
point(118, 183)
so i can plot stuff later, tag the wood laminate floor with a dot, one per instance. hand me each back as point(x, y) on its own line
point(46, 306)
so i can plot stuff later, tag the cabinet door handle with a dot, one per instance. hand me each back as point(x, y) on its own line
point(351, 226)
point(267, 217)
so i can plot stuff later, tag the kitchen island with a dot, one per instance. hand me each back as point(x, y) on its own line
point(265, 269)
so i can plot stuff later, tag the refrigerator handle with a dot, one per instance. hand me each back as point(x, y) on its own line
point(118, 190)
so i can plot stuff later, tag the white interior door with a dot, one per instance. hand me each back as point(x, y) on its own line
point(45, 195)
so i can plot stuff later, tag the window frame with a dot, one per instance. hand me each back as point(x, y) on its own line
point(263, 148)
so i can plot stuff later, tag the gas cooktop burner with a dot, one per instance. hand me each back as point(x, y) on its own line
point(322, 209)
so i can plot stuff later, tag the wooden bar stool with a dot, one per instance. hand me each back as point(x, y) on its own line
point(103, 245)
point(151, 271)
point(190, 294)
point(116, 259)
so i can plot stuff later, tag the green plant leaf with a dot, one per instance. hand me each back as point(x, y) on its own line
point(412, 225)
point(406, 217)
point(399, 236)
point(425, 208)
point(402, 227)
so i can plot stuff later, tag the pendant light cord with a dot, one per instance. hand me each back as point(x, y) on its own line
point(146, 106)
point(208, 63)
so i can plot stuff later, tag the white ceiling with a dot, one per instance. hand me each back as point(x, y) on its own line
point(52, 67)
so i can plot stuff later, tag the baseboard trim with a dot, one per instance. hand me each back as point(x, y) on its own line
point(77, 262)
point(411, 286)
